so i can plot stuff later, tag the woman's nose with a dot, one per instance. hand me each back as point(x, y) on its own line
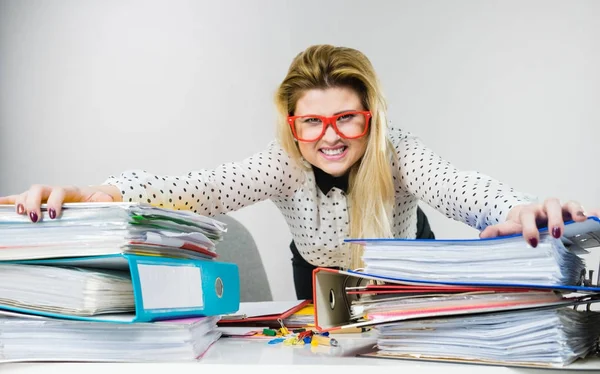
point(330, 134)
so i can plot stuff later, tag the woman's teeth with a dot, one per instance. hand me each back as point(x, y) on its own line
point(333, 152)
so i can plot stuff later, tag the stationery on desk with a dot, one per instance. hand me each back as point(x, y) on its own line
point(434, 289)
point(120, 276)
point(268, 312)
point(259, 318)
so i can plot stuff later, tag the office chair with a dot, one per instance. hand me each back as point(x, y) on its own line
point(239, 247)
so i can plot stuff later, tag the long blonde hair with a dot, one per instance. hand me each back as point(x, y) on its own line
point(371, 188)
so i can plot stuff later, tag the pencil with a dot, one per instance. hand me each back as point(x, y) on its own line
point(323, 340)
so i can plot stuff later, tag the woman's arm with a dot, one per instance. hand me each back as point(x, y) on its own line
point(228, 187)
point(467, 196)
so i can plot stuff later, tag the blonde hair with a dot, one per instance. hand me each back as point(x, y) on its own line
point(370, 188)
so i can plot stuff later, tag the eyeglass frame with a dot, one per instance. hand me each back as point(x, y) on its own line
point(331, 120)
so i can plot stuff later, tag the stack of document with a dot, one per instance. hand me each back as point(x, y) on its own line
point(305, 317)
point(437, 303)
point(69, 340)
point(107, 274)
point(481, 300)
point(91, 229)
point(552, 337)
point(478, 261)
point(73, 291)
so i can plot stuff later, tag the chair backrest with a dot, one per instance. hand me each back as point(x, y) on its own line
point(238, 247)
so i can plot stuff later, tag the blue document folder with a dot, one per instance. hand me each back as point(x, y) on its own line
point(506, 261)
point(163, 288)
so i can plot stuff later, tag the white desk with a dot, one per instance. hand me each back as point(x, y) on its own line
point(245, 355)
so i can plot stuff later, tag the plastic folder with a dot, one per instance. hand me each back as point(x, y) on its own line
point(163, 288)
point(267, 312)
point(335, 290)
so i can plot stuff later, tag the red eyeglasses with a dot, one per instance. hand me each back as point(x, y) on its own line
point(348, 125)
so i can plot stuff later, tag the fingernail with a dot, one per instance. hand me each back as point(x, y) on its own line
point(52, 213)
point(556, 232)
point(580, 214)
point(533, 242)
point(20, 209)
point(33, 216)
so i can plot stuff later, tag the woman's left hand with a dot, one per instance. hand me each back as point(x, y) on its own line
point(527, 218)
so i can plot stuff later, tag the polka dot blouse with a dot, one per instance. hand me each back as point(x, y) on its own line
point(319, 221)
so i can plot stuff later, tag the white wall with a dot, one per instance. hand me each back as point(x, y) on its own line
point(509, 88)
point(92, 88)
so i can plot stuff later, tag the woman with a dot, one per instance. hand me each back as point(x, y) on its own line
point(336, 171)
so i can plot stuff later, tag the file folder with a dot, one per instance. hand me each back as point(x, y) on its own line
point(163, 288)
point(270, 313)
point(331, 299)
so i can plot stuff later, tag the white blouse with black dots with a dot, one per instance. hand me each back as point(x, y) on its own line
point(319, 222)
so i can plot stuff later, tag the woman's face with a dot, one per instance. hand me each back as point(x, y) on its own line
point(332, 153)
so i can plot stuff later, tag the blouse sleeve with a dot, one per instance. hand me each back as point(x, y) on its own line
point(230, 186)
point(467, 196)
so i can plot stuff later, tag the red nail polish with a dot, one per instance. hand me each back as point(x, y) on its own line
point(33, 216)
point(20, 209)
point(533, 242)
point(556, 232)
point(52, 213)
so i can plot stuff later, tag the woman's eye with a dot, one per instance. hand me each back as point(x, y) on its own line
point(346, 117)
point(312, 120)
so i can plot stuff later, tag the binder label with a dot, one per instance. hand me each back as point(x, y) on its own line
point(170, 286)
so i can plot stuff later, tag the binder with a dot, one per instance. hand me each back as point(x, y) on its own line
point(268, 318)
point(163, 288)
point(331, 299)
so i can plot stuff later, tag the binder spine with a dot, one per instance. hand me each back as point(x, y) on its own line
point(168, 288)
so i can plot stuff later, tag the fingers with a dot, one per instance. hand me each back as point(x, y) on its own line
point(501, 229)
point(35, 196)
point(55, 200)
point(60, 195)
point(20, 203)
point(554, 212)
point(529, 217)
point(16, 200)
point(30, 201)
point(574, 210)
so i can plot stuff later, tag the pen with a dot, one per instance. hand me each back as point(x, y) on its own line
point(323, 340)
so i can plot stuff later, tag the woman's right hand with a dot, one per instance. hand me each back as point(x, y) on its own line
point(30, 201)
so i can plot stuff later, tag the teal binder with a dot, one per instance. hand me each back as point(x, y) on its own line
point(164, 288)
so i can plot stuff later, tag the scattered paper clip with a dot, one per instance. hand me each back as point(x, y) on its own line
point(284, 331)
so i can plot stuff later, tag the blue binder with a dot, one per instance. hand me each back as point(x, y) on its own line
point(579, 237)
point(164, 288)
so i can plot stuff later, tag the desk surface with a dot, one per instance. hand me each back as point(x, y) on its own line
point(254, 355)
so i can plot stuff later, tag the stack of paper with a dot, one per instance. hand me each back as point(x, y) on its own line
point(112, 282)
point(89, 229)
point(24, 338)
point(554, 337)
point(439, 303)
point(66, 290)
point(487, 261)
point(479, 300)
point(304, 317)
